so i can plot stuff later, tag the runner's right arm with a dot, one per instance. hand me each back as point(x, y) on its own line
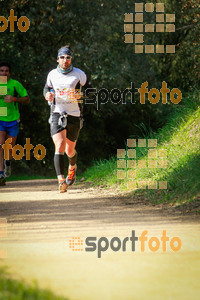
point(47, 94)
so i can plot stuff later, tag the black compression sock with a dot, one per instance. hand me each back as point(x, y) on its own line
point(72, 160)
point(59, 163)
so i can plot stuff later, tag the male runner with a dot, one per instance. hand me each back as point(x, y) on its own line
point(65, 118)
point(9, 119)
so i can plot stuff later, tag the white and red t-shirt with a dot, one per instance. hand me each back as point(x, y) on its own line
point(64, 85)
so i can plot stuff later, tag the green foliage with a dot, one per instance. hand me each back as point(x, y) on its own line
point(180, 136)
point(13, 289)
point(182, 69)
point(102, 172)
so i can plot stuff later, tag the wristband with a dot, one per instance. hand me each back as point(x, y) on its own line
point(15, 99)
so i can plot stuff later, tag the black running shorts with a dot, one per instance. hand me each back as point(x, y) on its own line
point(73, 126)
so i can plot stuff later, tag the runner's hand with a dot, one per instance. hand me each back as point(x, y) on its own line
point(8, 99)
point(49, 96)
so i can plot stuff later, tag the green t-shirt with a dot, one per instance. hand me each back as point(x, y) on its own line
point(14, 88)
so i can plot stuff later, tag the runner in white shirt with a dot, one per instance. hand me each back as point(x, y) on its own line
point(60, 90)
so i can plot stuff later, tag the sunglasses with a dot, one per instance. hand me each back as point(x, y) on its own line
point(63, 57)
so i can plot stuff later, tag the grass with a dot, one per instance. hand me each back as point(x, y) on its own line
point(13, 289)
point(103, 172)
point(181, 138)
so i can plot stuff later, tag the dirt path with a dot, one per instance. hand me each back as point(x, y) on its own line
point(40, 223)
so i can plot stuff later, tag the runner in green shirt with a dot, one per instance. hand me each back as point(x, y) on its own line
point(9, 115)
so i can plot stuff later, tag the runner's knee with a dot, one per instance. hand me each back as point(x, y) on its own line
point(60, 146)
point(71, 152)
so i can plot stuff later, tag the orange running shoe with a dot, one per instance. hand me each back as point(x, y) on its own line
point(71, 176)
point(62, 185)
